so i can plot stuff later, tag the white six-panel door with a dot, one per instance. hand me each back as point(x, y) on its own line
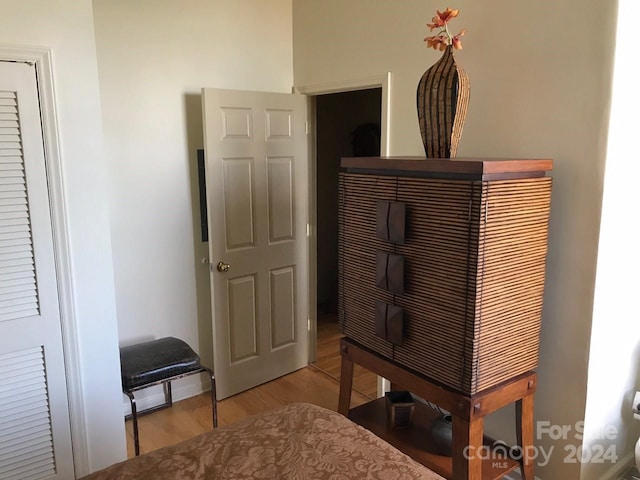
point(35, 441)
point(256, 163)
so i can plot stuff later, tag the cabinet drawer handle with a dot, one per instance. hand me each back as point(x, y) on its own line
point(389, 322)
point(390, 272)
point(391, 221)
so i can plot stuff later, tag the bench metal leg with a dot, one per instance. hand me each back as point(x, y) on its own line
point(134, 417)
point(168, 397)
point(214, 402)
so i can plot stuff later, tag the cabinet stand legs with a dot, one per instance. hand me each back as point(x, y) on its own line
point(467, 411)
point(346, 384)
point(524, 433)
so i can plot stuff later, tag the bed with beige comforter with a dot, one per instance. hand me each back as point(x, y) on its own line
point(299, 441)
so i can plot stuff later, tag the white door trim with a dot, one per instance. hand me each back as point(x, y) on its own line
point(378, 81)
point(41, 57)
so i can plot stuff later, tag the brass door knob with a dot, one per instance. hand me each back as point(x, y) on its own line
point(223, 267)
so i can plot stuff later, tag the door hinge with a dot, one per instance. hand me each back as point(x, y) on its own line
point(308, 324)
point(306, 127)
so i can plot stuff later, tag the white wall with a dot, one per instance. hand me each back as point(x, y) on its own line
point(154, 56)
point(66, 26)
point(540, 88)
point(614, 360)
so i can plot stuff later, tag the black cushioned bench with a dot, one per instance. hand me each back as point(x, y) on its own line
point(159, 362)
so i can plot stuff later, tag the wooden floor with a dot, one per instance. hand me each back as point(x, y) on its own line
point(328, 358)
point(317, 384)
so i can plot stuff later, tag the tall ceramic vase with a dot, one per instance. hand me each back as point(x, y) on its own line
point(442, 99)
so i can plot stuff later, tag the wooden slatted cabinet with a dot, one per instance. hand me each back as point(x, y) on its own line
point(441, 277)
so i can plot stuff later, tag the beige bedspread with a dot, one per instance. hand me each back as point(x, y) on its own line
point(299, 441)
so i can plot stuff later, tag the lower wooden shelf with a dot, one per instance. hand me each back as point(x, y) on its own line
point(416, 442)
point(467, 411)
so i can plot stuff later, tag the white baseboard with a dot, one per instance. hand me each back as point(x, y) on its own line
point(180, 390)
point(615, 472)
point(516, 475)
point(620, 467)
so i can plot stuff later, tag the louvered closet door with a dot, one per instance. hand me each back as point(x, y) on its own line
point(35, 442)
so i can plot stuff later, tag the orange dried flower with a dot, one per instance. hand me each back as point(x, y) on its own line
point(438, 42)
point(437, 23)
point(444, 37)
point(447, 15)
point(456, 42)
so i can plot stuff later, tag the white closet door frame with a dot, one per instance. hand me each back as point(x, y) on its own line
point(41, 57)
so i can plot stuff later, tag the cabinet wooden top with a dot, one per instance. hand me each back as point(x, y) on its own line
point(473, 168)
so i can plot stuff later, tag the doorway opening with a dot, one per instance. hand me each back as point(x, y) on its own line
point(348, 124)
